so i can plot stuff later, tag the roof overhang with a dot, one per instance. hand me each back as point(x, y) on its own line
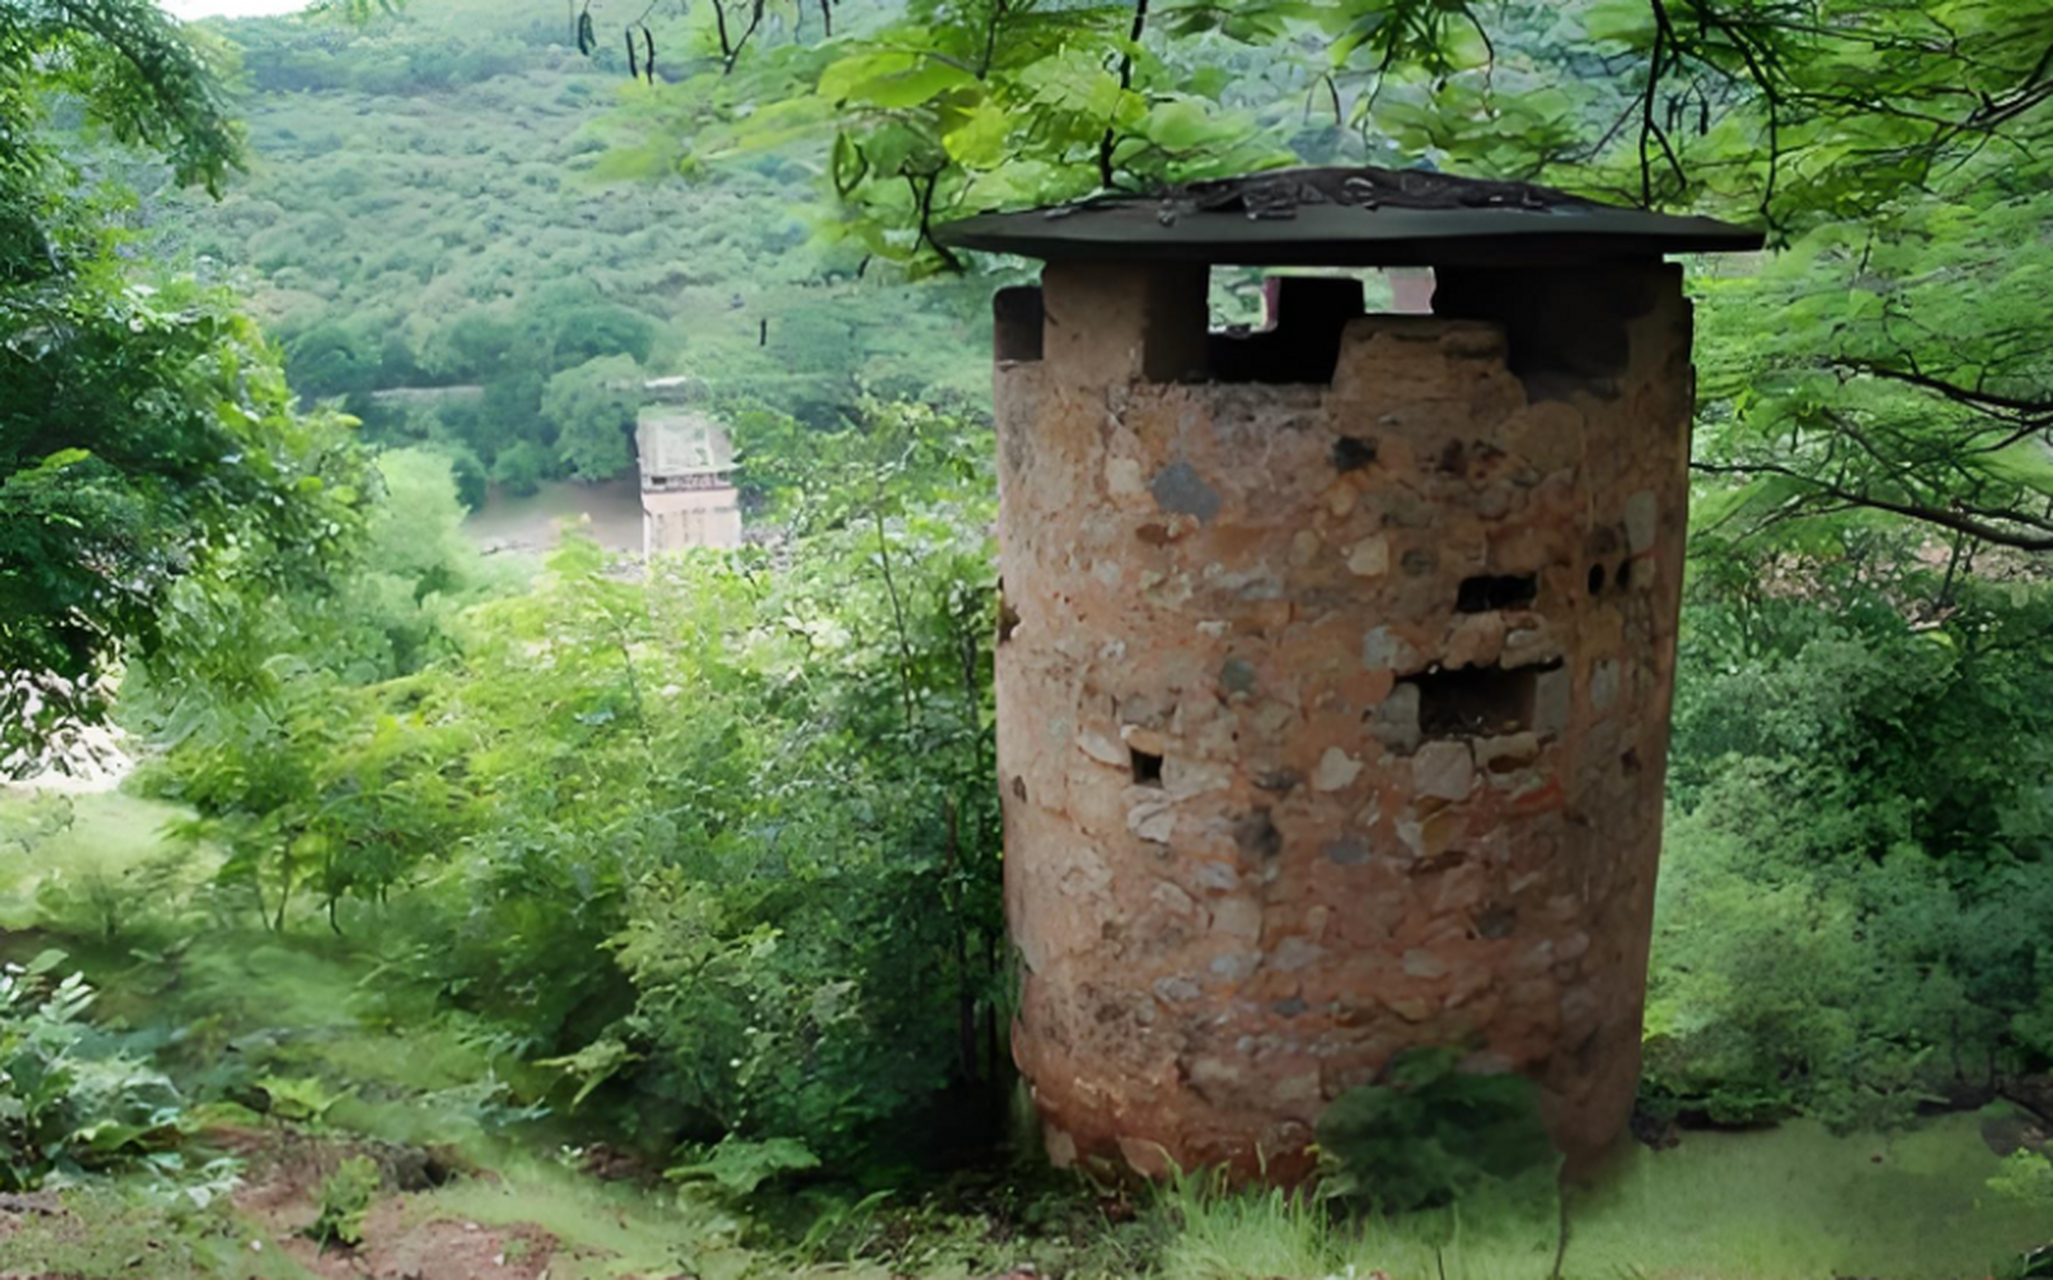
point(1348, 218)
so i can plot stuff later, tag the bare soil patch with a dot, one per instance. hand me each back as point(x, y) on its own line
point(281, 1196)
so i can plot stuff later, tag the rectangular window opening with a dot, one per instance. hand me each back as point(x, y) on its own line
point(1282, 330)
point(1147, 769)
point(1018, 324)
point(1476, 702)
point(1487, 593)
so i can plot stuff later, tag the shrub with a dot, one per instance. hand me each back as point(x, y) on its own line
point(345, 1202)
point(62, 1108)
point(1429, 1133)
point(521, 469)
point(1854, 887)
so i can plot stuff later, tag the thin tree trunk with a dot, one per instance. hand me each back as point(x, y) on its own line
point(965, 989)
point(284, 891)
point(897, 613)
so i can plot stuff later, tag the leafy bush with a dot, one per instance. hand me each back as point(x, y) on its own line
point(592, 406)
point(717, 844)
point(2026, 1175)
point(64, 1108)
point(1851, 909)
point(521, 469)
point(1429, 1133)
point(299, 1099)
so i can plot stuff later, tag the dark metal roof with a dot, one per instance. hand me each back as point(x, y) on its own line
point(1347, 217)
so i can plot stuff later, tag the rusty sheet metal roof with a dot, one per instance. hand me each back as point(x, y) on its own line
point(1363, 217)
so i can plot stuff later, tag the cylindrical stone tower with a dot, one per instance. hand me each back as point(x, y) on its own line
point(1335, 658)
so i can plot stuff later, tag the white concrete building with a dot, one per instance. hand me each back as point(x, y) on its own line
point(687, 468)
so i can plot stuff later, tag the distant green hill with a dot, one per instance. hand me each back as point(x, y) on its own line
point(422, 211)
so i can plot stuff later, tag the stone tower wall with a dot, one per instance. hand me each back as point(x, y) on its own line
point(1333, 717)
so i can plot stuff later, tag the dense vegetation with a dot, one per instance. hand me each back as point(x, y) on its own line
point(142, 432)
point(715, 843)
point(688, 872)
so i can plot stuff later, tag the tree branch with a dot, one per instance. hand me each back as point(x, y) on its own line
point(1975, 524)
point(1974, 397)
point(1133, 39)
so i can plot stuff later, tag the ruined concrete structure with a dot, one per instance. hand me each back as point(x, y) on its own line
point(1335, 659)
point(687, 469)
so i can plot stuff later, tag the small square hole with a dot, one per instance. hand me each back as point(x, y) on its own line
point(1147, 769)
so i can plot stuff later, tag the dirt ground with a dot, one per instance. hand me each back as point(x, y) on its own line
point(281, 1194)
point(404, 1239)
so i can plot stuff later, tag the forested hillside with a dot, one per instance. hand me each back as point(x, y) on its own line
point(426, 208)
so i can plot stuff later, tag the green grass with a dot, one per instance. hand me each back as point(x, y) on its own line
point(618, 1229)
point(224, 1001)
point(1798, 1201)
point(121, 1229)
point(1791, 1203)
point(94, 859)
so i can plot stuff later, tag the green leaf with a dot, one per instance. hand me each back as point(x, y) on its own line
point(739, 1166)
point(980, 140)
point(891, 79)
point(1179, 125)
point(847, 165)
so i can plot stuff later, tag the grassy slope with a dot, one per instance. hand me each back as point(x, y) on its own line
point(228, 1004)
point(224, 1005)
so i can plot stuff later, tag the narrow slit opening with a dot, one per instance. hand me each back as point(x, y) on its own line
point(1018, 322)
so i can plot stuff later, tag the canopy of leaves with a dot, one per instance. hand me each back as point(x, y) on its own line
point(145, 431)
point(593, 406)
point(126, 66)
point(1895, 151)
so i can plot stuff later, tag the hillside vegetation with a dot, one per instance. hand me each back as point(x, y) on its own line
point(425, 209)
